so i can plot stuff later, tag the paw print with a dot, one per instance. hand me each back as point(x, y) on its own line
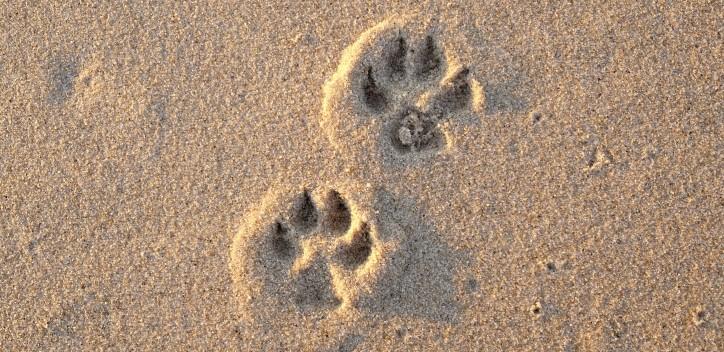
point(314, 258)
point(309, 251)
point(398, 90)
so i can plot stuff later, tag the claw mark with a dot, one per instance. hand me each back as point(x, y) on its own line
point(280, 243)
point(455, 94)
point(339, 217)
point(305, 216)
point(359, 249)
point(396, 61)
point(429, 59)
point(373, 94)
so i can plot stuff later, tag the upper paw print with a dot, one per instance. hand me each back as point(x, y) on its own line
point(397, 90)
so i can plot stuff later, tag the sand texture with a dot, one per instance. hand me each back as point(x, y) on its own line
point(361, 176)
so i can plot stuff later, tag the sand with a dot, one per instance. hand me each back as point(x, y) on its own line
point(386, 176)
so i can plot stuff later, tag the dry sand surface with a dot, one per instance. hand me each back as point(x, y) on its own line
point(361, 176)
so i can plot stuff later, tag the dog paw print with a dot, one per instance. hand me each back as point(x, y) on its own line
point(307, 252)
point(398, 90)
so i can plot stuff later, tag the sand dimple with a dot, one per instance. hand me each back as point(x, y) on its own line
point(62, 76)
point(395, 68)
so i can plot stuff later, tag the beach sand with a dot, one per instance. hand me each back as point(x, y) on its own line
point(377, 176)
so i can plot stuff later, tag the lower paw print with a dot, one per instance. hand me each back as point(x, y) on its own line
point(398, 91)
point(306, 253)
point(321, 262)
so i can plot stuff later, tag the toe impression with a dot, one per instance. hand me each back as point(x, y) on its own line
point(354, 253)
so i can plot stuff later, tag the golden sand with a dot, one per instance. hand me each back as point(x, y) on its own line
point(386, 176)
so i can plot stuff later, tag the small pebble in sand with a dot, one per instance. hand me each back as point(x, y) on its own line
point(699, 316)
point(405, 135)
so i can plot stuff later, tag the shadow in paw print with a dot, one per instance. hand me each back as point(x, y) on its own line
point(455, 95)
point(279, 244)
point(313, 288)
point(61, 79)
point(418, 279)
